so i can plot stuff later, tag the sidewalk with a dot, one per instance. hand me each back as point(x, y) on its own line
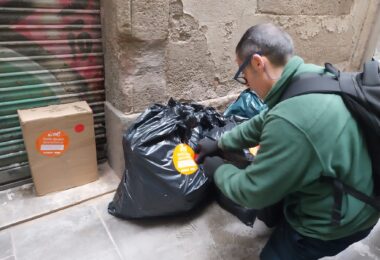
point(87, 231)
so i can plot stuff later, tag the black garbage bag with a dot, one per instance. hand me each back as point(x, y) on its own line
point(245, 215)
point(152, 186)
point(247, 105)
point(240, 160)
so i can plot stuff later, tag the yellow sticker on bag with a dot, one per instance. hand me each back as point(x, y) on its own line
point(183, 159)
point(254, 150)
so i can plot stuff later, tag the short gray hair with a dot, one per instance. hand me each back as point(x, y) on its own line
point(270, 40)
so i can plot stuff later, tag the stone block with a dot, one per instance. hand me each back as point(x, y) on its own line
point(136, 76)
point(190, 72)
point(123, 16)
point(305, 7)
point(116, 19)
point(116, 29)
point(150, 19)
point(118, 91)
point(147, 78)
point(149, 88)
point(116, 124)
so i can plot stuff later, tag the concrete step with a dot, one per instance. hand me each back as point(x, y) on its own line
point(20, 204)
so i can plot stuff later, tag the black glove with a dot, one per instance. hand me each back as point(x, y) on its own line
point(206, 147)
point(211, 164)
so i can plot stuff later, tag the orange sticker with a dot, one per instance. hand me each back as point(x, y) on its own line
point(183, 159)
point(52, 143)
point(254, 150)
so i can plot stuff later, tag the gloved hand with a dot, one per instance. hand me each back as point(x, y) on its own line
point(206, 147)
point(211, 164)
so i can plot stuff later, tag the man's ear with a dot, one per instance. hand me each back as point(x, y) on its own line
point(257, 62)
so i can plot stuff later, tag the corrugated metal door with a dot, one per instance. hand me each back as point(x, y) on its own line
point(50, 53)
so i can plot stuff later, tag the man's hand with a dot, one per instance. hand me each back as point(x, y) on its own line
point(207, 147)
point(211, 164)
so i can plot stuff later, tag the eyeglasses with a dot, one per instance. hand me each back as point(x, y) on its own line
point(238, 77)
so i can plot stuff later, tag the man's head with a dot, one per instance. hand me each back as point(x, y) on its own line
point(263, 51)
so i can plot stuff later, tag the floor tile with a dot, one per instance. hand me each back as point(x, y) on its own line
point(87, 231)
point(21, 203)
point(180, 238)
point(9, 258)
point(75, 233)
point(233, 239)
point(5, 244)
point(210, 234)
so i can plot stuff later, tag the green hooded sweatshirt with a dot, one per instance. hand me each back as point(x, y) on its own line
point(301, 139)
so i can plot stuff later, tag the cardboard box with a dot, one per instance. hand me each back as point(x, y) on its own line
point(60, 142)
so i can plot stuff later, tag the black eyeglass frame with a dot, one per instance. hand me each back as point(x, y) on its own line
point(242, 79)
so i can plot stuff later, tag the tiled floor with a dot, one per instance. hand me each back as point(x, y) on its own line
point(5, 244)
point(63, 229)
point(20, 204)
point(87, 231)
point(210, 234)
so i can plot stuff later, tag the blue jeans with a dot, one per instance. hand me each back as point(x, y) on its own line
point(286, 244)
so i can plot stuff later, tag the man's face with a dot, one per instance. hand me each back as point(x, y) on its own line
point(253, 73)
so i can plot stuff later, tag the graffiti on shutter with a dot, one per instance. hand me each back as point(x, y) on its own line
point(50, 53)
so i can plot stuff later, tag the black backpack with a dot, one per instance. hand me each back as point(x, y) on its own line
point(360, 92)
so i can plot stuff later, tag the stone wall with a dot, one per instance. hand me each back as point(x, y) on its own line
point(156, 49)
point(377, 52)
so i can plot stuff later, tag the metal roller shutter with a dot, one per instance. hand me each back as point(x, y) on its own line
point(50, 53)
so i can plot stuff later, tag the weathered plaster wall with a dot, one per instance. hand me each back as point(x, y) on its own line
point(322, 30)
point(156, 49)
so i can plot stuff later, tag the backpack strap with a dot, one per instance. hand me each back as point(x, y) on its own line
point(308, 83)
point(371, 75)
point(342, 84)
point(331, 69)
point(338, 191)
point(336, 82)
point(374, 202)
point(340, 188)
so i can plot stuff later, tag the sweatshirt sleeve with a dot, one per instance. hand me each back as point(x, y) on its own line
point(245, 135)
point(281, 166)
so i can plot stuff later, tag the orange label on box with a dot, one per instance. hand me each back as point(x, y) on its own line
point(183, 159)
point(52, 143)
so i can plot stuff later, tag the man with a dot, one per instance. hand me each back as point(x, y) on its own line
point(301, 139)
